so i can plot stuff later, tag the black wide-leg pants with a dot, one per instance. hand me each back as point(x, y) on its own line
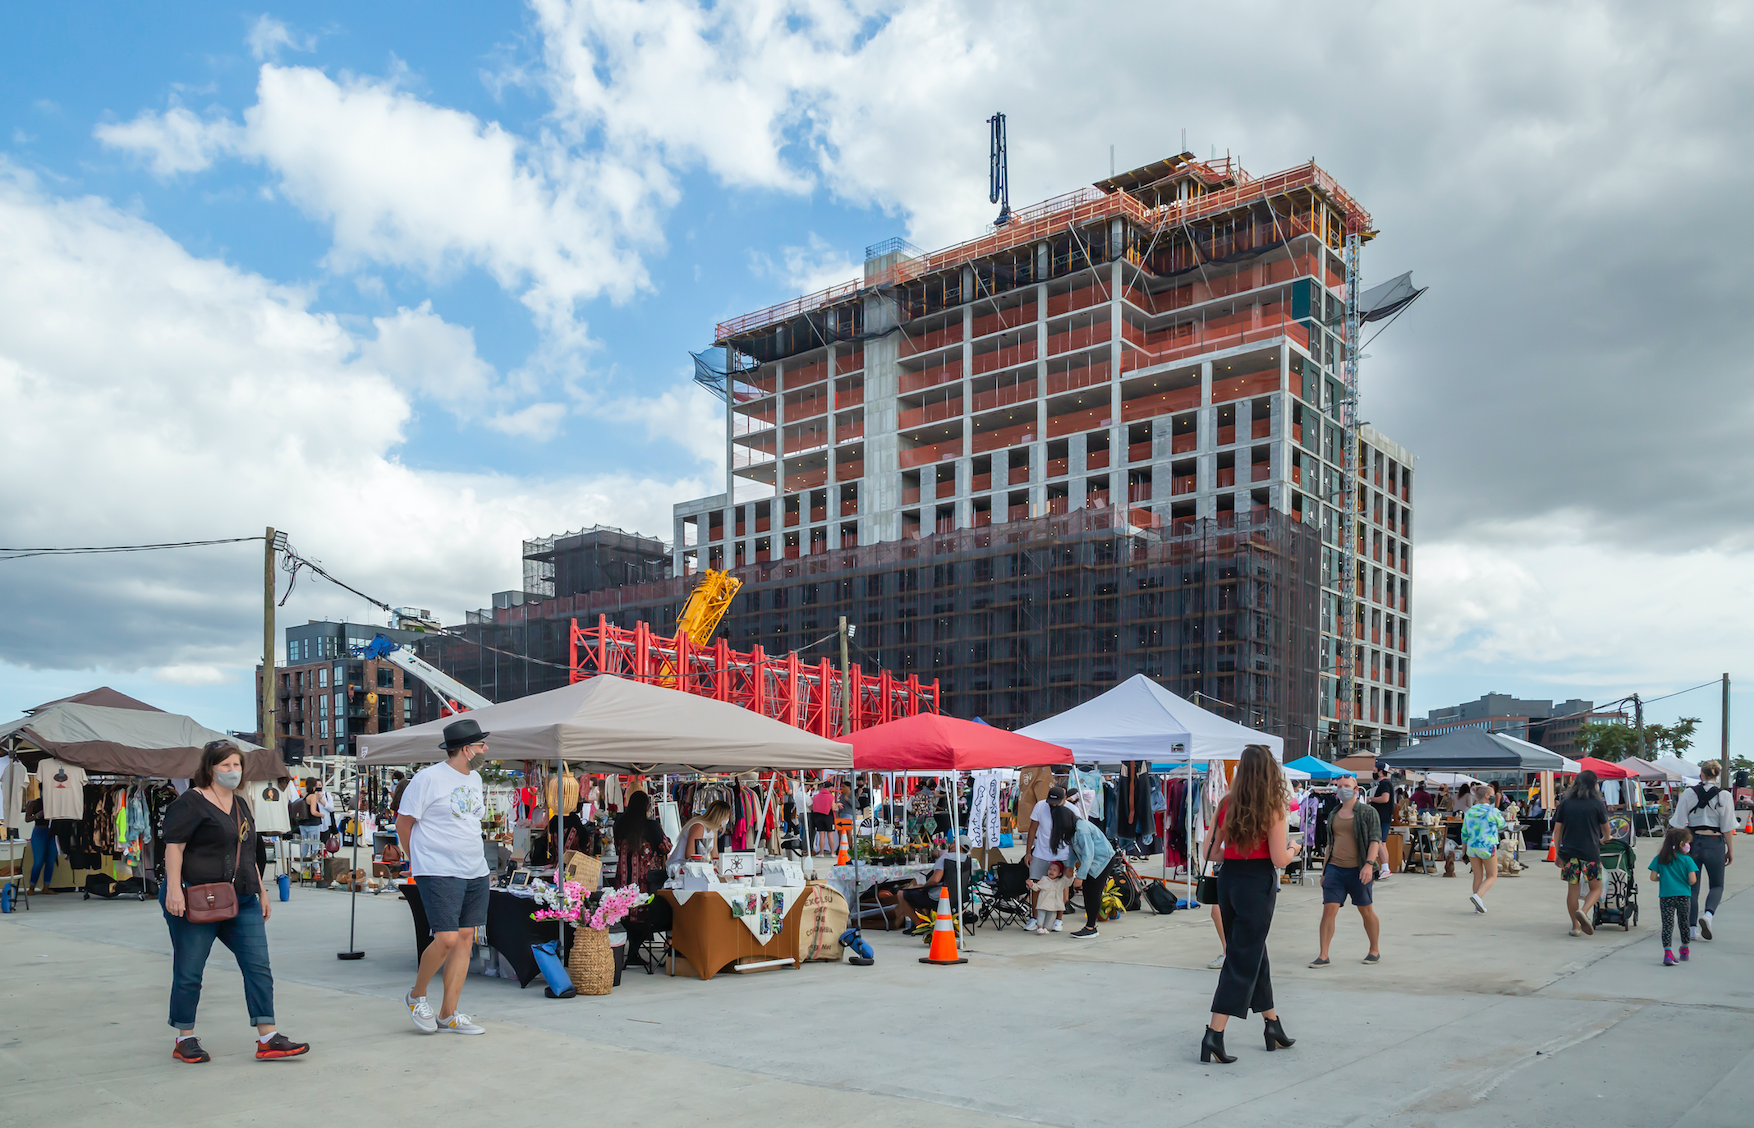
point(1248, 888)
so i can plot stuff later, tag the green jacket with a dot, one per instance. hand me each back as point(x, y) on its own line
point(1366, 827)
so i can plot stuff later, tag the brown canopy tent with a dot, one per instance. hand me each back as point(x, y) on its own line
point(127, 737)
point(608, 724)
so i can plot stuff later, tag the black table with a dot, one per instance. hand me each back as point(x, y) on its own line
point(510, 931)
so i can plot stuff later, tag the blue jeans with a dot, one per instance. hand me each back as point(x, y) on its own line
point(42, 855)
point(245, 935)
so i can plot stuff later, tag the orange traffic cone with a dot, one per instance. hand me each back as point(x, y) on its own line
point(1552, 851)
point(943, 950)
point(844, 829)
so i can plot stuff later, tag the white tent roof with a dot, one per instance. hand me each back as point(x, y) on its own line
point(1140, 720)
point(609, 724)
point(1676, 766)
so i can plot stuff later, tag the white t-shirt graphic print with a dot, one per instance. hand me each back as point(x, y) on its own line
point(447, 807)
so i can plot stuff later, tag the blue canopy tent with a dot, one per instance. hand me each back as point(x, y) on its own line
point(1320, 769)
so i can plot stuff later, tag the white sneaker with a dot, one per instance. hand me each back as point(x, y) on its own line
point(1479, 905)
point(1029, 925)
point(459, 1024)
point(1217, 962)
point(1696, 932)
point(1057, 927)
point(421, 1012)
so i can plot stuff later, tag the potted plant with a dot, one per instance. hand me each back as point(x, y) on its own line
point(592, 961)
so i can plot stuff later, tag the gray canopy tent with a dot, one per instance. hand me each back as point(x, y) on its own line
point(123, 737)
point(1471, 750)
point(610, 725)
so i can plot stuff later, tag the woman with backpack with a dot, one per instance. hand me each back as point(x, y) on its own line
point(1709, 813)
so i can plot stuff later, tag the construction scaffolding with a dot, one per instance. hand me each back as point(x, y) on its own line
point(1012, 623)
point(807, 695)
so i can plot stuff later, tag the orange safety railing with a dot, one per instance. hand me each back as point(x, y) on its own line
point(1005, 437)
point(1004, 319)
point(1078, 376)
point(1243, 386)
point(994, 359)
point(1096, 460)
point(1087, 419)
point(1082, 298)
point(931, 377)
point(912, 417)
point(1139, 452)
point(931, 452)
point(849, 397)
point(1160, 403)
point(1183, 444)
point(1005, 395)
point(937, 339)
point(1079, 338)
point(806, 374)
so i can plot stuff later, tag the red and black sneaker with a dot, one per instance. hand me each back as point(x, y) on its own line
point(189, 1050)
point(280, 1046)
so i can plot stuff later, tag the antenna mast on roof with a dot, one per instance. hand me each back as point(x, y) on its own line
point(998, 178)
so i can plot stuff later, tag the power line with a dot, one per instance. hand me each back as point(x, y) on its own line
point(97, 550)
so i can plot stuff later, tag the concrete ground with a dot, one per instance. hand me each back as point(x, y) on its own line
point(1469, 1020)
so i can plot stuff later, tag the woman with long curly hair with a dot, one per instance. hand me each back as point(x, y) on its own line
point(1250, 831)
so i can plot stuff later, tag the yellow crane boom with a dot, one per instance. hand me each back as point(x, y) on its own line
point(706, 606)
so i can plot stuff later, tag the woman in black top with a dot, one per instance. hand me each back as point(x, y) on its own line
point(210, 838)
point(1580, 826)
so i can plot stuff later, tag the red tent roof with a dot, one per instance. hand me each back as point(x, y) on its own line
point(931, 742)
point(1605, 769)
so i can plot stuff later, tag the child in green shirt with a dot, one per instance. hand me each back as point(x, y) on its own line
point(1674, 872)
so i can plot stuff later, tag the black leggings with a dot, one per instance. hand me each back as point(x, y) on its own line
point(1248, 889)
point(1674, 911)
point(1092, 889)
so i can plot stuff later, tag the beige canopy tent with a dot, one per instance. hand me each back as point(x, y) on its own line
point(608, 724)
point(132, 739)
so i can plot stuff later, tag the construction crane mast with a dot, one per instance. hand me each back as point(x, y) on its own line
point(706, 606)
point(1346, 664)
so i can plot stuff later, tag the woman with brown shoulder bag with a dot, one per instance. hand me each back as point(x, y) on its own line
point(212, 890)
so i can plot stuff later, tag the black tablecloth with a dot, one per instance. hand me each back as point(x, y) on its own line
point(510, 931)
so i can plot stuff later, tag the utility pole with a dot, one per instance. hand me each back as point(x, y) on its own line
point(270, 541)
point(1724, 779)
point(1638, 719)
point(846, 684)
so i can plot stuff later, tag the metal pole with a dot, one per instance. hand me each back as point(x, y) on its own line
point(1724, 749)
point(267, 686)
point(846, 683)
point(353, 953)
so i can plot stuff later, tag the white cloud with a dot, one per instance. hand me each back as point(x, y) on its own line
point(539, 421)
point(152, 395)
point(269, 36)
point(816, 265)
point(196, 675)
point(428, 355)
point(173, 142)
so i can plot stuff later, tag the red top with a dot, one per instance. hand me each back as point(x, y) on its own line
point(1234, 852)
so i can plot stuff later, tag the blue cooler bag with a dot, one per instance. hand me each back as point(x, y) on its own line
point(553, 971)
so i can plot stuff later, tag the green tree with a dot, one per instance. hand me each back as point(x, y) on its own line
point(1671, 740)
point(1607, 740)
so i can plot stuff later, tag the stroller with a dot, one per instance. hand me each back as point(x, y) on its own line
point(1003, 895)
point(1619, 903)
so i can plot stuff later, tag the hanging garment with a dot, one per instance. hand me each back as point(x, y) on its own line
point(983, 810)
point(63, 789)
point(1089, 781)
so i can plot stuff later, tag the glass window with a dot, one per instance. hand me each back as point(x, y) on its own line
point(323, 705)
point(323, 678)
point(386, 677)
point(323, 728)
point(408, 709)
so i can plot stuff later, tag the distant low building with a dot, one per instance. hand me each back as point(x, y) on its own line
point(1552, 725)
point(327, 697)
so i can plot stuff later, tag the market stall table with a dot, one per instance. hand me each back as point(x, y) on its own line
point(871, 876)
point(705, 933)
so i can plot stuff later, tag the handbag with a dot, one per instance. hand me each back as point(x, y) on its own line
point(1206, 890)
point(215, 901)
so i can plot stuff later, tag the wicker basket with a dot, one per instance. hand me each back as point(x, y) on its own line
point(591, 963)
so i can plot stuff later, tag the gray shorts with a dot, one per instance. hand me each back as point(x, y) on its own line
point(453, 902)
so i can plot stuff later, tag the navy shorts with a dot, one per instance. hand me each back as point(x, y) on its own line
point(453, 902)
point(1339, 883)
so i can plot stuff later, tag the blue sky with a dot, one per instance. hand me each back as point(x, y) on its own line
point(416, 281)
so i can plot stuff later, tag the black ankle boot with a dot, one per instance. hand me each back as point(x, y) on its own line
point(1276, 1038)
point(1212, 1046)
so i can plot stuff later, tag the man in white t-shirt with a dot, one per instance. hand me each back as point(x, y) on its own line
point(439, 824)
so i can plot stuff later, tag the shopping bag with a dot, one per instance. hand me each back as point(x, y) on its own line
point(553, 970)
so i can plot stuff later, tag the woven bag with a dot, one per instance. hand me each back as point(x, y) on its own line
point(584, 869)
point(591, 963)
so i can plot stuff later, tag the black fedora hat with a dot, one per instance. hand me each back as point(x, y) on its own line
point(459, 734)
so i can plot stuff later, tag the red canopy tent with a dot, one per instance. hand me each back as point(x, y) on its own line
point(934, 743)
point(1605, 769)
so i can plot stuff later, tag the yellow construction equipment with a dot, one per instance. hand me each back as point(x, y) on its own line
point(706, 606)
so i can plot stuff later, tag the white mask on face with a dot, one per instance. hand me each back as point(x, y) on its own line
point(228, 780)
point(1345, 793)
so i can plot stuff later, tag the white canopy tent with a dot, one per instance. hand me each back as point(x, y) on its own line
point(1684, 770)
point(1140, 720)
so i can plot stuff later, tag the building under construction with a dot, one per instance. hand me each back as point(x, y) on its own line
point(1108, 436)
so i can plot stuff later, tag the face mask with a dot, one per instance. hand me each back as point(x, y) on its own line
point(228, 780)
point(1686, 847)
point(1345, 793)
